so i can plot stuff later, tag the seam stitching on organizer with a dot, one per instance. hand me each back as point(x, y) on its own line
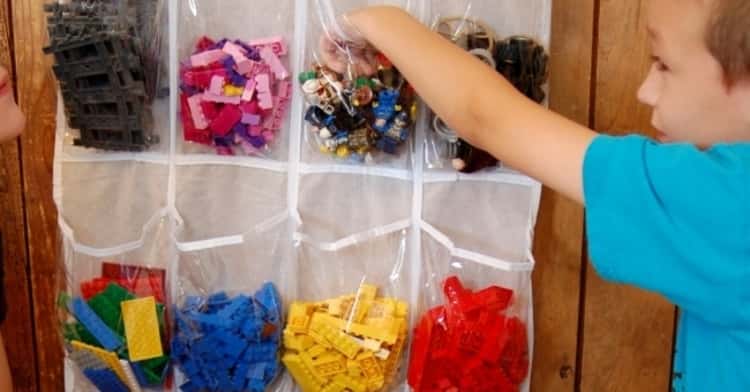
point(296, 124)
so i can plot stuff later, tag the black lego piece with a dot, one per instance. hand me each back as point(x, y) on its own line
point(99, 62)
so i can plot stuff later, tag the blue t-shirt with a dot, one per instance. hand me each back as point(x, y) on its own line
point(673, 219)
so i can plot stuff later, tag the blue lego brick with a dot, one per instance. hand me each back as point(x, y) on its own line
point(86, 316)
point(106, 380)
point(268, 297)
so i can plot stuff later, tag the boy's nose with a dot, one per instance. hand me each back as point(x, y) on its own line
point(648, 93)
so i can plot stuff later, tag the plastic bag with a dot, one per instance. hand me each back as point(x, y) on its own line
point(114, 316)
point(229, 313)
point(474, 324)
point(349, 326)
point(109, 61)
point(235, 92)
point(519, 57)
point(359, 109)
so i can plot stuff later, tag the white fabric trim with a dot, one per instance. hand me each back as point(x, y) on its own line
point(364, 170)
point(499, 176)
point(494, 262)
point(69, 235)
point(242, 161)
point(353, 239)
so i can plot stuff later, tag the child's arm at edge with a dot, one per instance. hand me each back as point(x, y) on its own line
point(479, 103)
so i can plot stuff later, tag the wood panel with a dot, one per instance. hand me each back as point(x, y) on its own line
point(19, 343)
point(37, 97)
point(560, 227)
point(627, 333)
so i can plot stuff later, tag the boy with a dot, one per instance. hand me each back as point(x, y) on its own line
point(12, 122)
point(670, 217)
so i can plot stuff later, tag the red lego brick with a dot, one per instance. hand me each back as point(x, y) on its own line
point(225, 121)
point(470, 344)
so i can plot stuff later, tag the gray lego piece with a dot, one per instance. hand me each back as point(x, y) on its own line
point(106, 77)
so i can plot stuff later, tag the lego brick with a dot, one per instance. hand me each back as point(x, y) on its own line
point(278, 69)
point(470, 343)
point(328, 350)
point(229, 343)
point(94, 325)
point(243, 69)
point(207, 58)
point(131, 380)
point(142, 328)
point(108, 358)
point(105, 380)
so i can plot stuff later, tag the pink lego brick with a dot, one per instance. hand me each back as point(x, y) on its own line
point(282, 101)
point(205, 58)
point(277, 44)
point(268, 136)
point(221, 99)
point(245, 66)
point(196, 112)
point(227, 118)
point(237, 52)
point(247, 95)
point(263, 83)
point(265, 100)
point(273, 61)
point(217, 85)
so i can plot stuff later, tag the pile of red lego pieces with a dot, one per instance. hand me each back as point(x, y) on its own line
point(140, 281)
point(469, 344)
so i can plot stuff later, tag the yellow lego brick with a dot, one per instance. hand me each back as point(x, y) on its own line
point(301, 374)
point(340, 341)
point(317, 350)
point(392, 363)
point(141, 328)
point(352, 366)
point(309, 364)
point(378, 333)
point(334, 387)
point(233, 91)
point(330, 365)
point(299, 317)
point(335, 307)
point(351, 383)
point(367, 292)
point(371, 371)
point(402, 309)
point(107, 357)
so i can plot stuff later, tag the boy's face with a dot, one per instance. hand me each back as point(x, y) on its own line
point(12, 120)
point(686, 87)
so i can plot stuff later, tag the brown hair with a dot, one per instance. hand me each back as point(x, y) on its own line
point(728, 38)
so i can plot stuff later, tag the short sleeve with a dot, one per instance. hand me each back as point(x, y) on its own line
point(671, 218)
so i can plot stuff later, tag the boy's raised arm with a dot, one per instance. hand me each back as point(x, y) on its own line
point(477, 102)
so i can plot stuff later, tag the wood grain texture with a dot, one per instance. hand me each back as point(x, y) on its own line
point(19, 342)
point(559, 232)
point(37, 97)
point(628, 333)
